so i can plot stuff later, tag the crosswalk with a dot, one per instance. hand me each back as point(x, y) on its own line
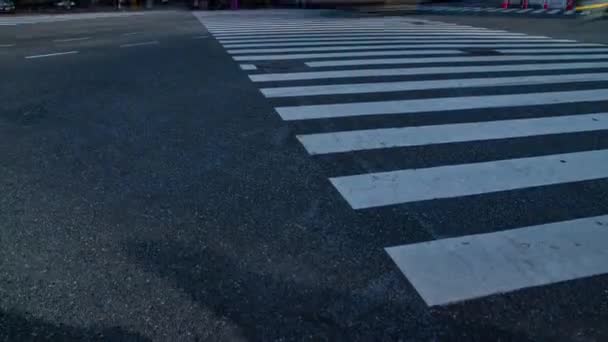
point(379, 72)
point(37, 19)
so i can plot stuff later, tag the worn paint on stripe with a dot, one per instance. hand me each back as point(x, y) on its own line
point(71, 39)
point(155, 42)
point(248, 67)
point(381, 61)
point(52, 54)
point(404, 186)
point(312, 75)
point(438, 104)
point(358, 140)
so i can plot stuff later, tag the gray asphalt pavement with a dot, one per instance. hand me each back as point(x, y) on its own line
point(151, 192)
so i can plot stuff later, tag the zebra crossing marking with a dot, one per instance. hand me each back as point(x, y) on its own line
point(498, 58)
point(384, 87)
point(311, 75)
point(441, 104)
point(359, 140)
point(456, 269)
point(414, 185)
point(364, 36)
point(564, 50)
point(481, 42)
point(433, 267)
point(409, 46)
point(248, 67)
point(346, 54)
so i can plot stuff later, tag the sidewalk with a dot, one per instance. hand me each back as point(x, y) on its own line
point(473, 8)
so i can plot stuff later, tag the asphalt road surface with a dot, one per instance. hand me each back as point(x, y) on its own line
point(302, 175)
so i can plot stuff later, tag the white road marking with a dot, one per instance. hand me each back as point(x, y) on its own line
point(383, 87)
point(456, 269)
point(555, 11)
point(71, 39)
point(379, 61)
point(366, 36)
point(348, 141)
point(345, 54)
point(131, 33)
point(154, 42)
point(439, 104)
point(406, 46)
point(248, 67)
point(311, 75)
point(509, 10)
point(278, 33)
point(539, 11)
point(309, 26)
point(404, 186)
point(312, 35)
point(200, 37)
point(263, 31)
point(396, 41)
point(525, 10)
point(6, 45)
point(552, 50)
point(52, 54)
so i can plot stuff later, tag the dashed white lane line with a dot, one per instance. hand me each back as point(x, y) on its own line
point(131, 33)
point(65, 40)
point(154, 42)
point(200, 37)
point(52, 54)
point(248, 67)
point(6, 45)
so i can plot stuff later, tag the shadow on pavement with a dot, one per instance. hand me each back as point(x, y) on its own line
point(18, 327)
point(268, 307)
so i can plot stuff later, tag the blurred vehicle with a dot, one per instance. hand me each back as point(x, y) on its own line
point(7, 6)
point(65, 4)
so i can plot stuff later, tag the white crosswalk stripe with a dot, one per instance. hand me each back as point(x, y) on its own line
point(311, 75)
point(378, 69)
point(428, 60)
point(409, 46)
point(347, 141)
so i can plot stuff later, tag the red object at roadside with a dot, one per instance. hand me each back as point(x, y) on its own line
point(570, 5)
